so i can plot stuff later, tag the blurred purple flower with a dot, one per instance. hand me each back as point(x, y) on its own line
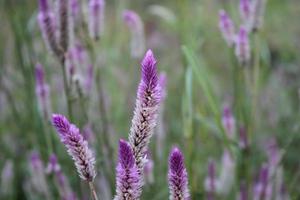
point(42, 92)
point(227, 28)
point(128, 180)
point(63, 8)
point(228, 122)
point(260, 188)
point(243, 195)
point(258, 10)
point(210, 181)
point(243, 138)
point(177, 176)
point(245, 12)
point(136, 27)
point(242, 47)
point(77, 147)
point(146, 110)
point(47, 24)
point(148, 169)
point(96, 18)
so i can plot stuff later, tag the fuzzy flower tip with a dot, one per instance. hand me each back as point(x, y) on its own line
point(242, 47)
point(76, 146)
point(227, 28)
point(178, 179)
point(146, 110)
point(127, 176)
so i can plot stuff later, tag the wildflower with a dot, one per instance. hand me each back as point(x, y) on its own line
point(258, 10)
point(243, 192)
point(77, 147)
point(243, 139)
point(146, 110)
point(226, 27)
point(242, 47)
point(96, 18)
point(261, 186)
point(136, 26)
point(177, 175)
point(63, 22)
point(42, 92)
point(128, 181)
point(210, 181)
point(245, 12)
point(48, 27)
point(228, 122)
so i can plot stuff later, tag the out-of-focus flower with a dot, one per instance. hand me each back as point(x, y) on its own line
point(226, 179)
point(177, 176)
point(128, 180)
point(243, 138)
point(47, 24)
point(243, 194)
point(257, 15)
point(42, 92)
point(37, 170)
point(228, 122)
point(245, 12)
point(163, 12)
point(77, 147)
point(242, 47)
point(226, 26)
point(63, 8)
point(260, 188)
point(136, 26)
point(64, 189)
point(96, 18)
point(210, 181)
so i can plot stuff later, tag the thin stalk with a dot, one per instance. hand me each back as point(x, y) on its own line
point(93, 191)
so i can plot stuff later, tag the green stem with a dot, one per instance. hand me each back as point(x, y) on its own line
point(93, 191)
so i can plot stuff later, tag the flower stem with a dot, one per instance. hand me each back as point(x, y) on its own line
point(93, 191)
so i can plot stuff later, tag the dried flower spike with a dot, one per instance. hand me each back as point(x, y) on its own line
point(128, 180)
point(96, 18)
point(242, 47)
point(177, 175)
point(77, 147)
point(146, 110)
point(47, 24)
point(136, 26)
point(226, 27)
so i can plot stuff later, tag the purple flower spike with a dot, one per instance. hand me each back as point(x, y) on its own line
point(77, 147)
point(245, 11)
point(136, 26)
point(127, 177)
point(228, 122)
point(177, 175)
point(47, 24)
point(258, 11)
point(63, 13)
point(96, 18)
point(210, 182)
point(243, 192)
point(242, 47)
point(243, 138)
point(42, 92)
point(226, 27)
point(146, 110)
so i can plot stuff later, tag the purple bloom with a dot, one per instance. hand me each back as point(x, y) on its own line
point(47, 24)
point(177, 175)
point(77, 147)
point(96, 18)
point(226, 27)
point(136, 27)
point(258, 10)
point(243, 192)
point(242, 47)
point(260, 188)
point(243, 139)
point(228, 122)
point(210, 181)
point(128, 180)
point(245, 11)
point(42, 92)
point(146, 110)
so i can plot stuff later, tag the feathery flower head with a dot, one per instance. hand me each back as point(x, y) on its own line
point(136, 26)
point(226, 27)
point(177, 175)
point(96, 18)
point(146, 110)
point(77, 147)
point(128, 180)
